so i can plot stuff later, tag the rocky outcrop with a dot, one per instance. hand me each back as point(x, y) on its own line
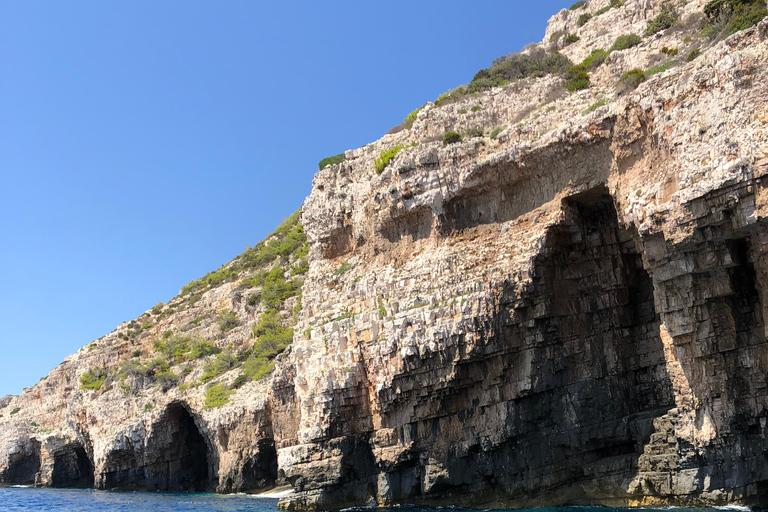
point(568, 311)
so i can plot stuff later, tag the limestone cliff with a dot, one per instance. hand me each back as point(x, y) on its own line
point(563, 307)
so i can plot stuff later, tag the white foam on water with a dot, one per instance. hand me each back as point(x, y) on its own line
point(733, 506)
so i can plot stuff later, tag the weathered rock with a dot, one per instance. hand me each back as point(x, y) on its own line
point(569, 312)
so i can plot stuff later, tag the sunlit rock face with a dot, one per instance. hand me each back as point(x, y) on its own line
point(570, 311)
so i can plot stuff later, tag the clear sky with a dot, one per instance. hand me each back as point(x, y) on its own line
point(145, 143)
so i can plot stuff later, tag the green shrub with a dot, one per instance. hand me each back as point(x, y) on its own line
point(343, 268)
point(157, 308)
point(747, 18)
point(595, 59)
point(536, 63)
point(451, 137)
point(663, 21)
point(222, 363)
point(602, 11)
point(286, 241)
point(496, 131)
point(228, 320)
point(385, 157)
point(450, 96)
point(239, 381)
point(148, 406)
point(625, 41)
point(93, 378)
point(272, 337)
point(474, 132)
point(199, 347)
point(694, 53)
point(577, 78)
point(216, 395)
point(669, 51)
point(15, 411)
point(632, 78)
point(174, 348)
point(578, 5)
point(477, 108)
point(331, 160)
point(463, 111)
point(411, 118)
point(583, 19)
point(571, 38)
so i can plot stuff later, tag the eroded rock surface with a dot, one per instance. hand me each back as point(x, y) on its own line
point(570, 311)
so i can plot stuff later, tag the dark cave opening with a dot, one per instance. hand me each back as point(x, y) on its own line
point(177, 454)
point(72, 467)
point(745, 301)
point(23, 466)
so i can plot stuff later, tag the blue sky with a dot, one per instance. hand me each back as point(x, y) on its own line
point(145, 143)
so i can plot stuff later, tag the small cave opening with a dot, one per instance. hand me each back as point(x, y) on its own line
point(72, 467)
point(745, 300)
point(177, 454)
point(23, 466)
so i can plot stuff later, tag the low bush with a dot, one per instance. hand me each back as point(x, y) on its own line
point(571, 38)
point(477, 108)
point(223, 362)
point(669, 51)
point(625, 41)
point(632, 78)
point(578, 5)
point(331, 160)
point(577, 78)
point(272, 337)
point(583, 19)
point(15, 411)
point(496, 131)
point(411, 118)
point(216, 395)
point(228, 320)
point(693, 55)
point(663, 21)
point(747, 18)
point(474, 132)
point(385, 157)
point(535, 63)
point(451, 137)
point(93, 378)
point(595, 59)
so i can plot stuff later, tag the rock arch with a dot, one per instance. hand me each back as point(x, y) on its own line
point(178, 455)
point(72, 467)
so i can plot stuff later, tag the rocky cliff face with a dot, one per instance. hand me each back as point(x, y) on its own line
point(567, 311)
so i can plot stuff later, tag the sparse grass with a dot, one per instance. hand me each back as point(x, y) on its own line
point(496, 131)
point(659, 69)
point(595, 106)
point(343, 268)
point(578, 5)
point(331, 160)
point(411, 118)
point(216, 395)
point(477, 108)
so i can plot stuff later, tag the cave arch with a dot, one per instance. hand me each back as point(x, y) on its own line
point(178, 455)
point(72, 467)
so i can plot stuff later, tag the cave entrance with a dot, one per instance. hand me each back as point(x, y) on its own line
point(598, 346)
point(72, 467)
point(23, 466)
point(177, 454)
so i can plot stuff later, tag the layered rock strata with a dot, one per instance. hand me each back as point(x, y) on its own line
point(570, 311)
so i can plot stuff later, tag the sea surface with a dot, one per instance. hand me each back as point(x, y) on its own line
point(29, 499)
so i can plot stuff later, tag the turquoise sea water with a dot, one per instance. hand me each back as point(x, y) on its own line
point(14, 499)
